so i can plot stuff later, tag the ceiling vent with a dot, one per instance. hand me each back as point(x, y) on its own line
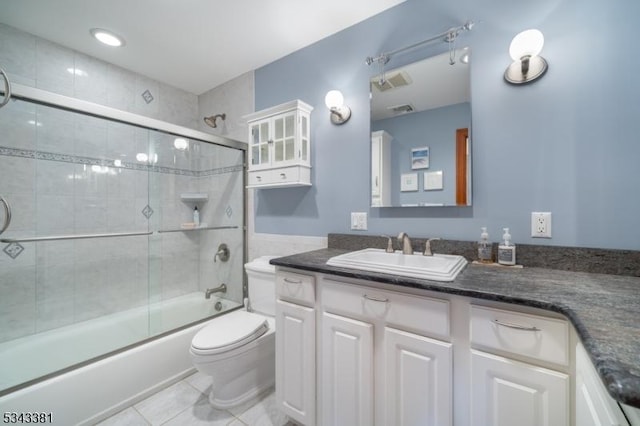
point(401, 109)
point(397, 79)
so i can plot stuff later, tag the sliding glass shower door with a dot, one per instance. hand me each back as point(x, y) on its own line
point(101, 251)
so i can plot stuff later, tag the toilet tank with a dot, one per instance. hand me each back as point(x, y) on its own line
point(262, 285)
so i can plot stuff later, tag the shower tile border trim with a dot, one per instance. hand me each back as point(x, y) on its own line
point(92, 161)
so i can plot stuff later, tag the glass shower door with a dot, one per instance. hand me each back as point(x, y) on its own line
point(189, 174)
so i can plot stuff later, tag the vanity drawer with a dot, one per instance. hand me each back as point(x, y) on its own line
point(261, 177)
point(545, 339)
point(418, 314)
point(297, 288)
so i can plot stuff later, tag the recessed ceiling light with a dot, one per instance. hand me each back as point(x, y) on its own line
point(107, 37)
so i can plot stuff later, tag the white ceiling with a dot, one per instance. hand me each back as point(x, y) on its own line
point(195, 45)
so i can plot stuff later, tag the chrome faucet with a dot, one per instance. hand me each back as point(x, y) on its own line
point(210, 291)
point(389, 248)
point(405, 242)
point(427, 247)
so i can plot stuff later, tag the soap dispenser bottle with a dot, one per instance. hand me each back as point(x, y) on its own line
point(196, 216)
point(484, 247)
point(507, 250)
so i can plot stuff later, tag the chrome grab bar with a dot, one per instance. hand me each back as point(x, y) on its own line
point(7, 214)
point(72, 237)
point(7, 88)
point(516, 326)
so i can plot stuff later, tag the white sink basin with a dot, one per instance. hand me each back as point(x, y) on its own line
point(439, 267)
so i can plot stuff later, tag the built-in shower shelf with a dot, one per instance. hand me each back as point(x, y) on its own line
point(194, 197)
point(200, 228)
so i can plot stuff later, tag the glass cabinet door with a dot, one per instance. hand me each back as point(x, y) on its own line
point(304, 138)
point(260, 143)
point(284, 138)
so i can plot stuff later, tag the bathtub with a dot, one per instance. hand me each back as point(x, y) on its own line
point(94, 391)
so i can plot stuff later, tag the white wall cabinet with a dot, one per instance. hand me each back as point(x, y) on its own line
point(380, 168)
point(296, 347)
point(280, 146)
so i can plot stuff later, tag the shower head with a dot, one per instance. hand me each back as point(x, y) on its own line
point(211, 120)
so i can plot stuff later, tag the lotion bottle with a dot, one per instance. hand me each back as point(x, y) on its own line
point(506, 250)
point(484, 247)
point(196, 216)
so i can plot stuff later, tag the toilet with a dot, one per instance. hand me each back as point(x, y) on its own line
point(238, 349)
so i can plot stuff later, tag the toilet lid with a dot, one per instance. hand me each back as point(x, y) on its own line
point(230, 331)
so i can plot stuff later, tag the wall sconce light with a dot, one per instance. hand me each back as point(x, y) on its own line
point(524, 50)
point(340, 113)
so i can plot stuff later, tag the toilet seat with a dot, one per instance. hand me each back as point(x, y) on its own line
point(228, 332)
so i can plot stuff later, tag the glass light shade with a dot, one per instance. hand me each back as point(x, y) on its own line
point(107, 37)
point(180, 143)
point(526, 43)
point(334, 99)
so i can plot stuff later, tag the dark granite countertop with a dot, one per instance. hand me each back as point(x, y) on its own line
point(604, 309)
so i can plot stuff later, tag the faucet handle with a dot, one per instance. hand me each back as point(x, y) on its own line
point(427, 247)
point(389, 248)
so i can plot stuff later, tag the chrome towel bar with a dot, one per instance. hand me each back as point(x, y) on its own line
point(72, 237)
point(7, 214)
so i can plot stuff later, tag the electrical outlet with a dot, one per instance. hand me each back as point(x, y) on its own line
point(541, 224)
point(359, 221)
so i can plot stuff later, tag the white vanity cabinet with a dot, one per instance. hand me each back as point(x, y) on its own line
point(594, 406)
point(357, 352)
point(510, 381)
point(381, 169)
point(280, 146)
point(384, 358)
point(296, 346)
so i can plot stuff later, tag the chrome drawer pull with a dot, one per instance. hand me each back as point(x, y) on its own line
point(287, 280)
point(516, 326)
point(375, 299)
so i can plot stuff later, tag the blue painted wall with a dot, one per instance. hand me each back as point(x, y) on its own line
point(565, 144)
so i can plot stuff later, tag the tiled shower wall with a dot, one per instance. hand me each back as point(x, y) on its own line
point(57, 168)
point(35, 62)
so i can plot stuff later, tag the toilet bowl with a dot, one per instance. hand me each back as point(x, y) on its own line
point(238, 349)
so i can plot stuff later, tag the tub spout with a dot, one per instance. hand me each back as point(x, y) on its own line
point(210, 291)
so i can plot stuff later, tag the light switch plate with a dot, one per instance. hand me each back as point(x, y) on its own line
point(359, 221)
point(541, 224)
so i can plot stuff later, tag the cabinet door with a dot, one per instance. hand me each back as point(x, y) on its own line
point(418, 380)
point(284, 138)
point(347, 371)
point(259, 141)
point(375, 166)
point(295, 361)
point(594, 407)
point(506, 393)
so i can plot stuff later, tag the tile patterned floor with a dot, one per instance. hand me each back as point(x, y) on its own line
point(186, 403)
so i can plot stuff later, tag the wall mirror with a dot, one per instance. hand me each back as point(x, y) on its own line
point(420, 134)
